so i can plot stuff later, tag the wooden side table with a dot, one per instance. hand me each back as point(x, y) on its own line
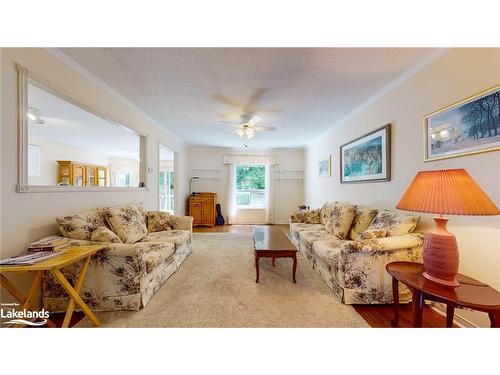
point(470, 293)
point(68, 256)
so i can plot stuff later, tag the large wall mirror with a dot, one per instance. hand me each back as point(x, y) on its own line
point(66, 146)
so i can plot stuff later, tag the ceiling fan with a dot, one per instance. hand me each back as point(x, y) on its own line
point(248, 128)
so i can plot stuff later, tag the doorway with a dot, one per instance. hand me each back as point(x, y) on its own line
point(166, 179)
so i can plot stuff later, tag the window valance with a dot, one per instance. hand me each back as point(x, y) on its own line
point(251, 159)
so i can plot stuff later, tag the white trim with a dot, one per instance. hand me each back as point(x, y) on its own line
point(387, 88)
point(74, 189)
point(56, 52)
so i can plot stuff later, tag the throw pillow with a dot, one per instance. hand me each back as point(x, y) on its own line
point(80, 226)
point(340, 219)
point(127, 222)
point(158, 221)
point(325, 212)
point(372, 234)
point(395, 223)
point(362, 220)
point(103, 234)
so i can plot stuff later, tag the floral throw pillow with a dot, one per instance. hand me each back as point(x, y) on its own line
point(158, 221)
point(325, 212)
point(372, 234)
point(127, 222)
point(395, 223)
point(80, 226)
point(306, 217)
point(362, 220)
point(340, 219)
point(103, 234)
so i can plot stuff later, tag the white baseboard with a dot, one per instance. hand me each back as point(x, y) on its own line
point(458, 320)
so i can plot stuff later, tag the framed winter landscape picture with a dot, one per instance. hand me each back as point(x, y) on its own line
point(324, 167)
point(468, 127)
point(368, 158)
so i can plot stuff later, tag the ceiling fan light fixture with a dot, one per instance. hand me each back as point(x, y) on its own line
point(240, 132)
point(250, 133)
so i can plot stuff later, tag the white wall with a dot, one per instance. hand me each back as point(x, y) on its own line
point(457, 74)
point(27, 216)
point(288, 194)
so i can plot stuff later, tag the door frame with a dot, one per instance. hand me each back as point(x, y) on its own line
point(174, 167)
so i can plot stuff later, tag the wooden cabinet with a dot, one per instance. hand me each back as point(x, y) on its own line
point(202, 208)
point(81, 174)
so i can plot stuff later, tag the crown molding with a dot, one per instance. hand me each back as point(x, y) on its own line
point(433, 56)
point(57, 53)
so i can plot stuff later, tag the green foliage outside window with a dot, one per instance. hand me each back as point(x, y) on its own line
point(250, 177)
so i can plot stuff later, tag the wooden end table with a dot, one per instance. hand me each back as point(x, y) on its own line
point(53, 265)
point(272, 242)
point(470, 293)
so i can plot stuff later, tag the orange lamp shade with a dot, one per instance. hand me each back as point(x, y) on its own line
point(448, 191)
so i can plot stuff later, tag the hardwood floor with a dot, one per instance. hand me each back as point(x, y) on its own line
point(377, 316)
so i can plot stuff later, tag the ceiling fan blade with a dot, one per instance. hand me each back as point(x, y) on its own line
point(254, 100)
point(254, 120)
point(228, 101)
point(230, 122)
point(264, 128)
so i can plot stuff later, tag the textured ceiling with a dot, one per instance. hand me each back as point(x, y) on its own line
point(300, 91)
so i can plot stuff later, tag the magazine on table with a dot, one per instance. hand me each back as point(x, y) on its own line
point(50, 243)
point(27, 259)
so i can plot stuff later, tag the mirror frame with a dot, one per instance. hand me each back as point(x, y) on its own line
point(24, 76)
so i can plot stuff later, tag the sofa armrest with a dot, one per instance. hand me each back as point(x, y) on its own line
point(306, 216)
point(384, 245)
point(182, 222)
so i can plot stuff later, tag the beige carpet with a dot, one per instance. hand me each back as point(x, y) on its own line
point(215, 287)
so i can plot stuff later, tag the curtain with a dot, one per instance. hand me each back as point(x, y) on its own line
point(269, 195)
point(234, 159)
point(231, 195)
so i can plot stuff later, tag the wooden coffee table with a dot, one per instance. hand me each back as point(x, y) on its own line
point(272, 242)
point(470, 293)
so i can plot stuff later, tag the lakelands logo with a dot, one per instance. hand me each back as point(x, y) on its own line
point(23, 316)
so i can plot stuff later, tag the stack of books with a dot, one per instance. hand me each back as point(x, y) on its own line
point(50, 243)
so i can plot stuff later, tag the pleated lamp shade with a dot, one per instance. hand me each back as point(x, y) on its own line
point(448, 191)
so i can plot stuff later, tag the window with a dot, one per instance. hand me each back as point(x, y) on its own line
point(250, 186)
point(167, 191)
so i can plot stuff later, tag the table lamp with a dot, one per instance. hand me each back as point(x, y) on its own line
point(447, 191)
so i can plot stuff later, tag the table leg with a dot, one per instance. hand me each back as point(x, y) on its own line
point(274, 262)
point(75, 296)
point(494, 319)
point(34, 287)
point(416, 300)
point(395, 302)
point(78, 287)
point(257, 267)
point(294, 269)
point(20, 296)
point(450, 312)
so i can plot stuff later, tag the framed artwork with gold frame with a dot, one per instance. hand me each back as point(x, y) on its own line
point(467, 127)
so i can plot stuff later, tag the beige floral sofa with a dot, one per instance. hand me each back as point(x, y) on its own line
point(349, 248)
point(143, 249)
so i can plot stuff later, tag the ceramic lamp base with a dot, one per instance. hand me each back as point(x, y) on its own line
point(441, 254)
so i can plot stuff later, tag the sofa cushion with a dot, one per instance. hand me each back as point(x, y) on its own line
point(296, 228)
point(325, 212)
point(373, 233)
point(340, 219)
point(395, 223)
point(104, 234)
point(156, 253)
point(179, 238)
point(127, 222)
point(307, 238)
point(158, 221)
point(80, 226)
point(362, 220)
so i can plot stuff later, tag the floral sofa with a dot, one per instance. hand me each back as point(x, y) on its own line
point(349, 248)
point(143, 249)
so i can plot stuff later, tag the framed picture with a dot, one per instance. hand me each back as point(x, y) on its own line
point(324, 167)
point(468, 127)
point(368, 158)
